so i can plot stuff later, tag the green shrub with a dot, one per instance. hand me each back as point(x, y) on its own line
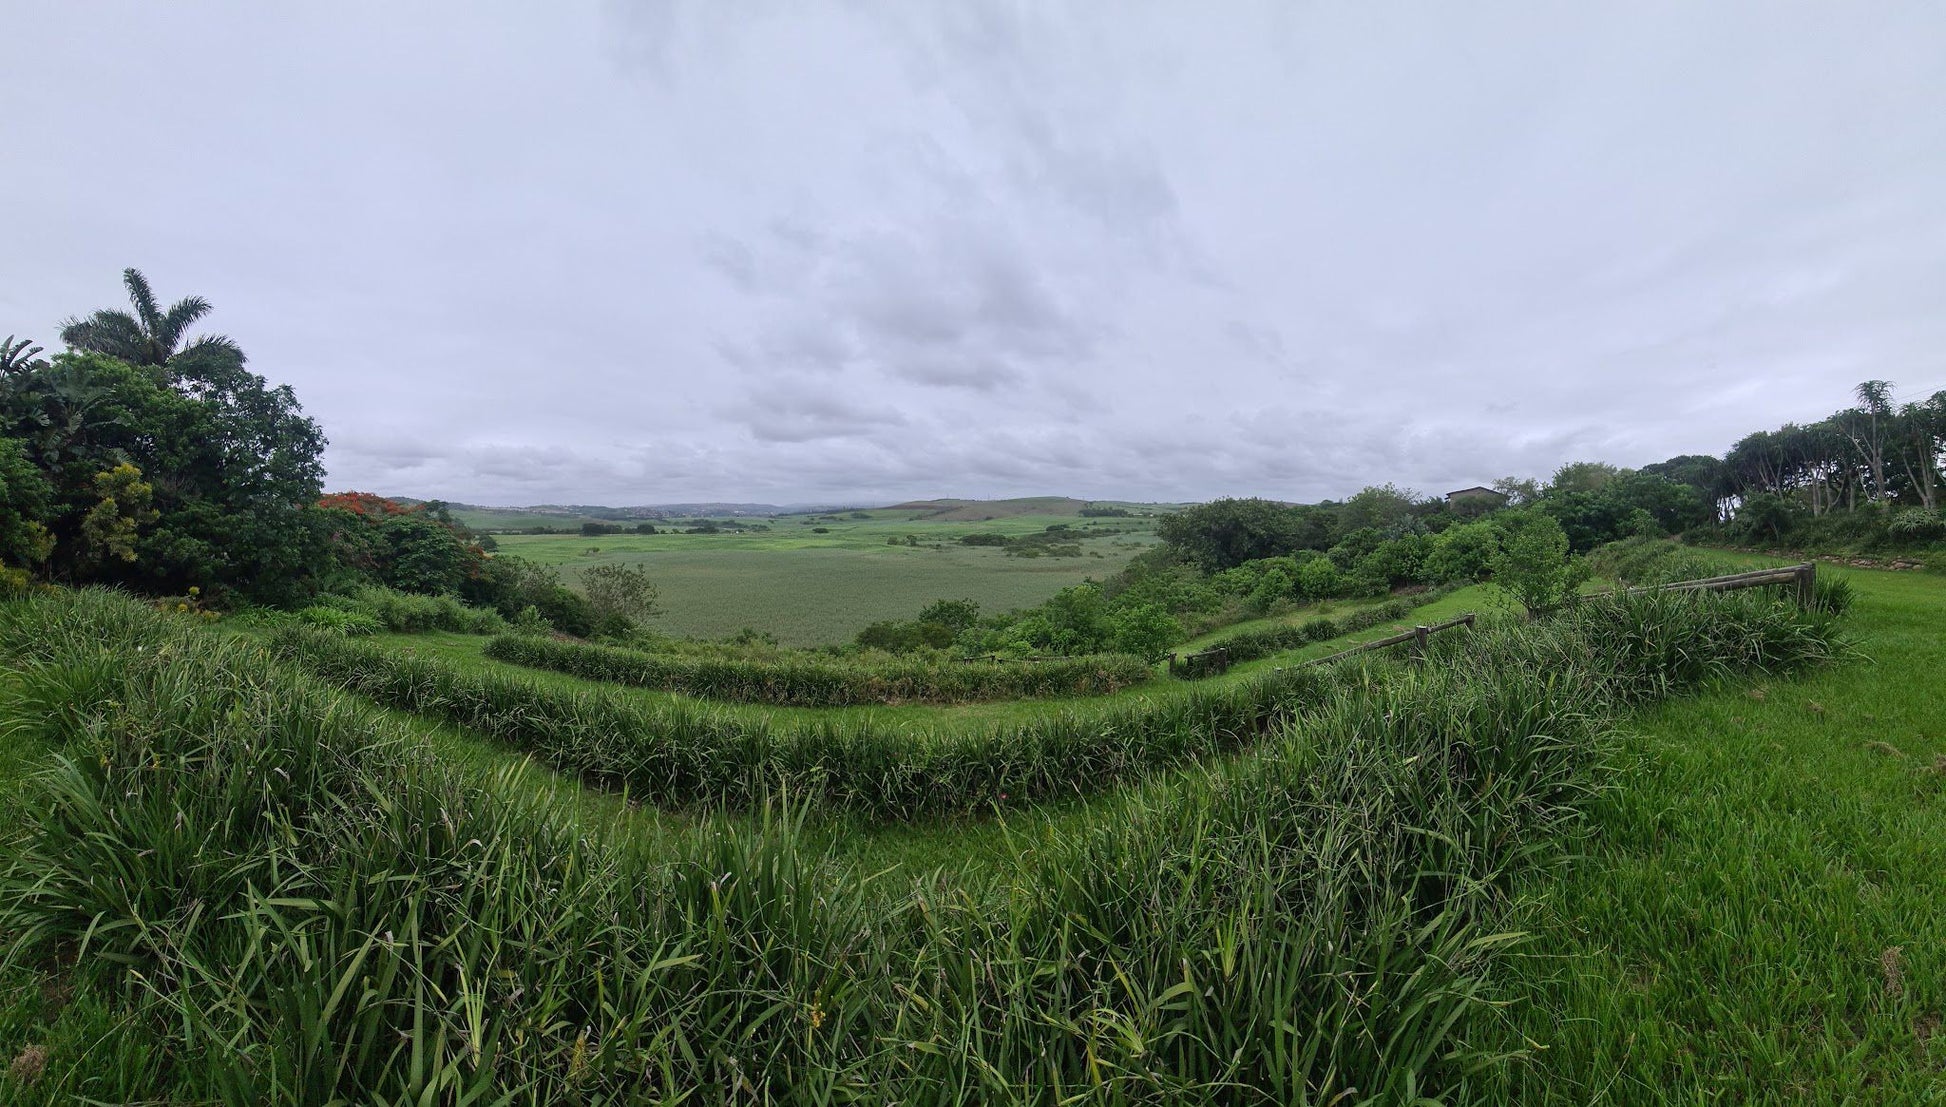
point(348, 623)
point(1534, 565)
point(1915, 524)
point(410, 613)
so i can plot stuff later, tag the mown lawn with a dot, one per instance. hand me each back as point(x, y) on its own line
point(1761, 917)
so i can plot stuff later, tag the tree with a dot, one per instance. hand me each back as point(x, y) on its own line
point(1582, 476)
point(1765, 515)
point(19, 357)
point(622, 596)
point(954, 615)
point(1319, 579)
point(1533, 564)
point(1922, 429)
point(1223, 534)
point(234, 464)
point(1144, 630)
point(1868, 426)
point(150, 336)
point(1463, 553)
point(1385, 507)
point(1520, 492)
point(110, 528)
point(26, 503)
point(1703, 474)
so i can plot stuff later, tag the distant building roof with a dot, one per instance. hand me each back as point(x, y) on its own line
point(1476, 492)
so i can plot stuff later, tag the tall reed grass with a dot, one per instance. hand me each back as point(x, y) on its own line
point(305, 907)
point(687, 754)
point(804, 682)
point(1249, 645)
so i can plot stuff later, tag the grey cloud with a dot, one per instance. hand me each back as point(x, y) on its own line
point(683, 250)
point(804, 412)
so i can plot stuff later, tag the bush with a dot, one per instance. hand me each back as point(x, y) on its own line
point(1916, 524)
point(348, 623)
point(409, 613)
point(1320, 579)
point(510, 585)
point(1533, 564)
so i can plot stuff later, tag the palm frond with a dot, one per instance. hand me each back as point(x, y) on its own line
point(169, 330)
point(210, 350)
point(114, 333)
point(143, 298)
point(18, 357)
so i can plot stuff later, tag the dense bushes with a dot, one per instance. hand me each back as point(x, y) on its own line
point(807, 682)
point(296, 903)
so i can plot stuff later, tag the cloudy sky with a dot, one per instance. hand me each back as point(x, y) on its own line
point(640, 252)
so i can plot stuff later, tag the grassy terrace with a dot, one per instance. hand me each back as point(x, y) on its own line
point(1233, 900)
point(1752, 917)
point(1761, 917)
point(464, 650)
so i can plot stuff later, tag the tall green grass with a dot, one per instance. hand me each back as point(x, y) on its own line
point(804, 682)
point(403, 612)
point(301, 906)
point(679, 754)
point(1249, 645)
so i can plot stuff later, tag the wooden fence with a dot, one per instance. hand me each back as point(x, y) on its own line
point(1217, 659)
point(1804, 577)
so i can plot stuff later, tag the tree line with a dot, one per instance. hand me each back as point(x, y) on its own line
point(146, 458)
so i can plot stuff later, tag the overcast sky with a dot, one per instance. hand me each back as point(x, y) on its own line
point(650, 252)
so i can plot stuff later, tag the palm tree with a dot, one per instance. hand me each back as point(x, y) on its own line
point(1867, 426)
point(18, 357)
point(151, 336)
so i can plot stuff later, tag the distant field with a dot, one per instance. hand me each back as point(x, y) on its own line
point(810, 588)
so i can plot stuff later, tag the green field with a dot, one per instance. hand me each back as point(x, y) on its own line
point(811, 588)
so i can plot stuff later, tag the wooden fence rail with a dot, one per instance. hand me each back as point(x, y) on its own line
point(1217, 659)
point(1804, 577)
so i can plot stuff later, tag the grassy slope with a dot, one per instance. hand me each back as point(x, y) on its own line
point(810, 588)
point(464, 649)
point(1727, 940)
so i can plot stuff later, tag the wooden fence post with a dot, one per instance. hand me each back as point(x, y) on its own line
point(1421, 638)
point(1807, 584)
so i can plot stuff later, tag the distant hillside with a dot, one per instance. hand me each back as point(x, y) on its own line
point(482, 517)
point(975, 511)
